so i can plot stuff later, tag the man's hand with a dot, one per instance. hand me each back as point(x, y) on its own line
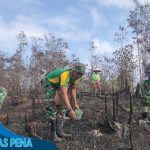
point(72, 114)
point(76, 106)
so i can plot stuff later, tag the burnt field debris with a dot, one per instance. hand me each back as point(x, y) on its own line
point(109, 122)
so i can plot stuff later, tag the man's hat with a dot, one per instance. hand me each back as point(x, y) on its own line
point(79, 67)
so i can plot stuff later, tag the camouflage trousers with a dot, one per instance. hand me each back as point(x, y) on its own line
point(145, 107)
point(52, 111)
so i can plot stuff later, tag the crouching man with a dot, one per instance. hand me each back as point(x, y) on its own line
point(61, 84)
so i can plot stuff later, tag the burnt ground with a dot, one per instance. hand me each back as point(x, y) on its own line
point(88, 133)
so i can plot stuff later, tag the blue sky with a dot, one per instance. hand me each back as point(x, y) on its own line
point(76, 21)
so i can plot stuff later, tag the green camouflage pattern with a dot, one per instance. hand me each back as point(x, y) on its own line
point(52, 111)
point(3, 94)
point(147, 96)
point(147, 91)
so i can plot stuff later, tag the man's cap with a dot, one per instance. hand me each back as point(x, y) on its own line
point(79, 67)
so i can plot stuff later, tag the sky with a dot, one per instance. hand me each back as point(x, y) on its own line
point(78, 22)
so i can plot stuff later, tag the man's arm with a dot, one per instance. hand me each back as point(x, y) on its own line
point(64, 96)
point(74, 97)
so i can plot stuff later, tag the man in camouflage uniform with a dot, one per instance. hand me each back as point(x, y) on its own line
point(60, 84)
point(3, 94)
point(146, 87)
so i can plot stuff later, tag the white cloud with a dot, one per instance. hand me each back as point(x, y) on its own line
point(68, 27)
point(103, 47)
point(29, 25)
point(63, 27)
point(72, 27)
point(97, 19)
point(7, 38)
point(96, 16)
point(122, 3)
point(63, 21)
point(77, 35)
point(9, 31)
point(144, 1)
point(117, 3)
point(19, 3)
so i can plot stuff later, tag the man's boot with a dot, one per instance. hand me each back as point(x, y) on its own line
point(145, 117)
point(59, 131)
point(54, 136)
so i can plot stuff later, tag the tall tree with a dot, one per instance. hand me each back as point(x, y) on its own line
point(139, 21)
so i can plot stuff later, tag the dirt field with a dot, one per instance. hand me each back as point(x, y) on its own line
point(89, 133)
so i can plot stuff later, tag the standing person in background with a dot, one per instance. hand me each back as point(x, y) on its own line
point(96, 80)
point(60, 84)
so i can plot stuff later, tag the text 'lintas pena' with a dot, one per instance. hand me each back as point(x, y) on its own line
point(15, 142)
